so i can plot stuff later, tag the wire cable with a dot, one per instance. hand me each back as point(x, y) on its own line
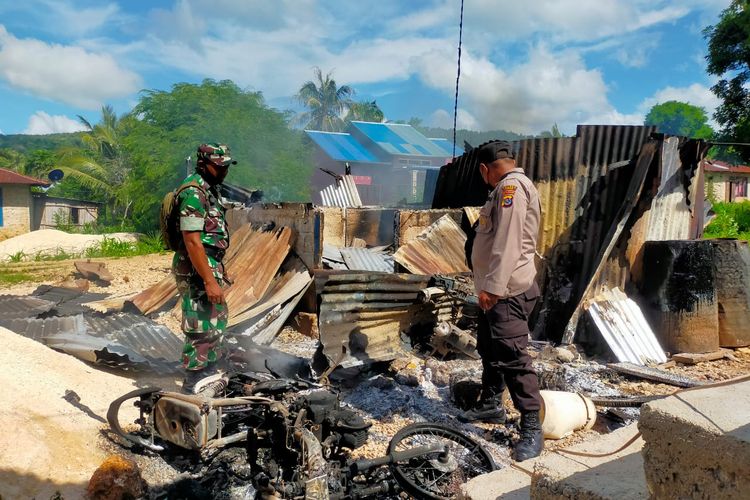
point(458, 75)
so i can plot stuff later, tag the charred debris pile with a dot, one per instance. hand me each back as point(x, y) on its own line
point(387, 300)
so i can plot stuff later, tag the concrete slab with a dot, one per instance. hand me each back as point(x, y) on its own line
point(617, 477)
point(507, 483)
point(558, 476)
point(698, 443)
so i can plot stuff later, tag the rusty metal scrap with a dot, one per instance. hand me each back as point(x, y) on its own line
point(439, 249)
point(155, 297)
point(449, 339)
point(94, 270)
point(252, 261)
point(368, 320)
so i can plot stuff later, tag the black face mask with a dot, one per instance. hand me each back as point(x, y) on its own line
point(211, 179)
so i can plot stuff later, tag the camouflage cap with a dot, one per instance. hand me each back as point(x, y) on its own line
point(218, 154)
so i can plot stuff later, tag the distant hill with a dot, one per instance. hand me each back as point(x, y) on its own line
point(472, 137)
point(28, 143)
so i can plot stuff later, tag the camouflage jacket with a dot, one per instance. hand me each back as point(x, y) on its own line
point(207, 214)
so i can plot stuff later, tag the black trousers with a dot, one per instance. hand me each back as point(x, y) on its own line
point(502, 341)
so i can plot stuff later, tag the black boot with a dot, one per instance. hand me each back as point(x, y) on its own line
point(532, 439)
point(490, 411)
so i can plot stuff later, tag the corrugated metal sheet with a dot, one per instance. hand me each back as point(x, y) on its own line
point(40, 328)
point(252, 261)
point(366, 259)
point(12, 306)
point(439, 249)
point(284, 292)
point(144, 336)
point(583, 181)
point(332, 257)
point(625, 329)
point(398, 139)
point(670, 216)
point(343, 193)
point(342, 147)
point(121, 340)
point(366, 313)
point(68, 301)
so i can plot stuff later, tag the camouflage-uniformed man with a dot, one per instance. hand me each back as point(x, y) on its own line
point(198, 266)
point(504, 275)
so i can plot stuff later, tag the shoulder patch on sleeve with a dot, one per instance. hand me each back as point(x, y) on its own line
point(507, 191)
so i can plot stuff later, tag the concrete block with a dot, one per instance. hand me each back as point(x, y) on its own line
point(505, 484)
point(698, 443)
point(559, 476)
point(618, 477)
point(732, 268)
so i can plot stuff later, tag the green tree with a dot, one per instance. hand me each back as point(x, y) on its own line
point(554, 132)
point(11, 159)
point(680, 118)
point(326, 103)
point(366, 111)
point(170, 125)
point(729, 59)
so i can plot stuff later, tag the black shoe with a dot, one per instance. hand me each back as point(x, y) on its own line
point(531, 443)
point(490, 411)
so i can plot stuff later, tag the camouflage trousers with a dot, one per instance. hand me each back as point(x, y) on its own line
point(203, 324)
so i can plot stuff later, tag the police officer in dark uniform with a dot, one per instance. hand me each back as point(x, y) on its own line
point(502, 259)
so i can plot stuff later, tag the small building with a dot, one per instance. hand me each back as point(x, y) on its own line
point(393, 165)
point(16, 205)
point(51, 212)
point(729, 181)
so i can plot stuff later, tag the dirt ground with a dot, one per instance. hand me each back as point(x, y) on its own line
point(55, 445)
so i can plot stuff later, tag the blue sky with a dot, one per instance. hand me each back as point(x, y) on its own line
point(525, 65)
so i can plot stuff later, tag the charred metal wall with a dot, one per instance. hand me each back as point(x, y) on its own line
point(306, 221)
point(582, 181)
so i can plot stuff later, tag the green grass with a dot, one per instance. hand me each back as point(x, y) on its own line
point(18, 256)
point(732, 221)
point(15, 278)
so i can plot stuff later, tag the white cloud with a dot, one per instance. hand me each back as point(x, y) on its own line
point(41, 123)
point(444, 119)
point(78, 20)
point(67, 74)
point(549, 88)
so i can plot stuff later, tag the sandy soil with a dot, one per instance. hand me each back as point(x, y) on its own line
point(50, 241)
point(49, 445)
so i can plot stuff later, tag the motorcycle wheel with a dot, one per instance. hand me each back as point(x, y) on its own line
point(435, 476)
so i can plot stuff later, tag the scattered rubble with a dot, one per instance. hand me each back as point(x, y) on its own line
point(94, 271)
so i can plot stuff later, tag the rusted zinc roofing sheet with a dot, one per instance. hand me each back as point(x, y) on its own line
point(439, 249)
point(12, 306)
point(367, 259)
point(625, 329)
point(251, 262)
point(265, 320)
point(366, 312)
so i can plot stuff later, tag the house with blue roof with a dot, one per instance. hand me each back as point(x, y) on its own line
point(393, 164)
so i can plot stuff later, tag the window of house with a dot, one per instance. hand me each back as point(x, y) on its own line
point(74, 215)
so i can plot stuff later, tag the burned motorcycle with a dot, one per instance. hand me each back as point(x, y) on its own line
point(298, 439)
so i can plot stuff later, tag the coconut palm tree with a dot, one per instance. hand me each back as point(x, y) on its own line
point(326, 103)
point(367, 111)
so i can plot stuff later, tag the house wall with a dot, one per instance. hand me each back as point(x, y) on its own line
point(46, 208)
point(724, 185)
point(16, 209)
